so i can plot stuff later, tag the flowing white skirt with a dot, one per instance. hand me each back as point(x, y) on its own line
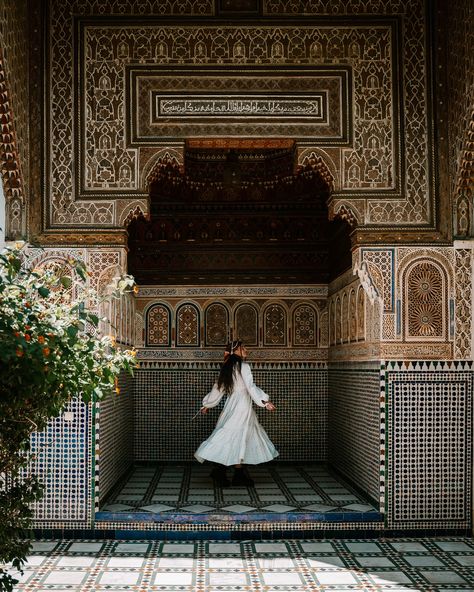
point(238, 436)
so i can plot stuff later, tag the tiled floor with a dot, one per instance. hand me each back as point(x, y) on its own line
point(395, 565)
point(279, 488)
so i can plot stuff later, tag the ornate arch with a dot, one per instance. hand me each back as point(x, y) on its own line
point(338, 317)
point(332, 322)
point(352, 316)
point(342, 210)
point(163, 159)
point(319, 160)
point(360, 313)
point(134, 210)
point(425, 301)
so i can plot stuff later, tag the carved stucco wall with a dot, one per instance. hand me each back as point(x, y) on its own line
point(381, 154)
point(279, 323)
point(14, 112)
point(460, 69)
point(403, 303)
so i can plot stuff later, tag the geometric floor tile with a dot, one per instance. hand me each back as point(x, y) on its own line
point(117, 508)
point(297, 487)
point(279, 508)
point(197, 508)
point(156, 508)
point(375, 565)
point(358, 507)
point(238, 508)
point(320, 508)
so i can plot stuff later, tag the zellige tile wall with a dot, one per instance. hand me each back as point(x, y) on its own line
point(167, 397)
point(114, 437)
point(354, 424)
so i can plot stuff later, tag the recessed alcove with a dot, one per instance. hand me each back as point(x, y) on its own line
point(238, 243)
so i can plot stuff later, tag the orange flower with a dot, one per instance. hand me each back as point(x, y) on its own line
point(117, 390)
point(19, 352)
point(17, 334)
point(27, 327)
point(40, 339)
point(135, 289)
point(46, 351)
point(27, 337)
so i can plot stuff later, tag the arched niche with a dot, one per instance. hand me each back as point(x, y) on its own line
point(188, 325)
point(304, 321)
point(216, 324)
point(275, 323)
point(246, 323)
point(158, 325)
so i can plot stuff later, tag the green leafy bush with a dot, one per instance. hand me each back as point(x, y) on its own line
point(49, 354)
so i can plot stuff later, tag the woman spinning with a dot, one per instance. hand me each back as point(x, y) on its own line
point(238, 438)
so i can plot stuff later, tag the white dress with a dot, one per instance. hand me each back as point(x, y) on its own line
point(238, 436)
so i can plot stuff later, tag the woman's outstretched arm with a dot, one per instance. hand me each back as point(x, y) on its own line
point(212, 399)
point(259, 397)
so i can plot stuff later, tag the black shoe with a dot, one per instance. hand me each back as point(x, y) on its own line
point(241, 478)
point(220, 477)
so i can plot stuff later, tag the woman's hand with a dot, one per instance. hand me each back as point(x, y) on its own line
point(204, 410)
point(270, 406)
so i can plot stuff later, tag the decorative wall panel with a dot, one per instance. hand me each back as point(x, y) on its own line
point(429, 442)
point(158, 325)
point(168, 394)
point(62, 459)
point(274, 325)
point(385, 55)
point(114, 437)
point(305, 329)
point(164, 104)
point(188, 327)
point(424, 293)
point(347, 310)
point(464, 304)
point(216, 324)
point(425, 305)
point(246, 324)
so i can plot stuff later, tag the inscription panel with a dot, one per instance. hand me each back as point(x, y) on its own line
point(310, 105)
point(240, 106)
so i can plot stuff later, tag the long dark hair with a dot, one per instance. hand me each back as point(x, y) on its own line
point(231, 362)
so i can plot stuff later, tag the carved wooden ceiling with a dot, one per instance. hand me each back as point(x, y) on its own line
point(234, 214)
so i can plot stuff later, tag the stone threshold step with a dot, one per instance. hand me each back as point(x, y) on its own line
point(224, 518)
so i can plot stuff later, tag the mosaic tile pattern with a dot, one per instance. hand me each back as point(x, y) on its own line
point(395, 565)
point(114, 436)
point(280, 488)
point(62, 458)
point(429, 407)
point(166, 399)
point(354, 419)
